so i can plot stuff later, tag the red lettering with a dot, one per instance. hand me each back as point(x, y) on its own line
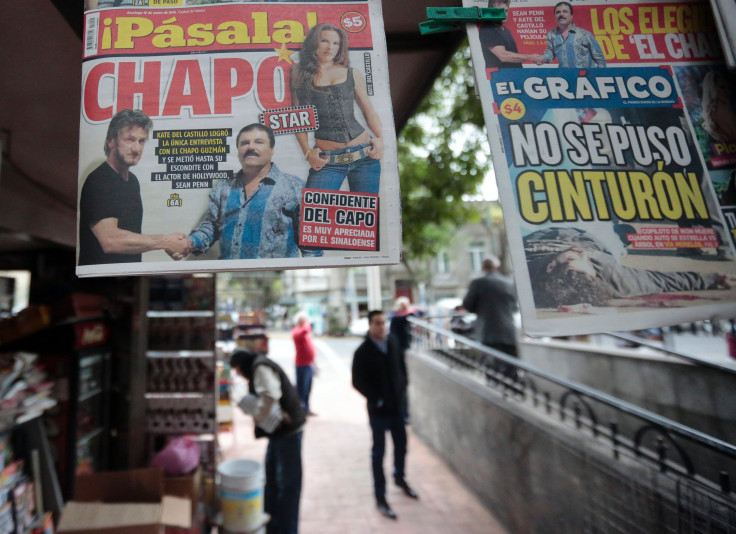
point(273, 79)
point(233, 78)
point(149, 88)
point(197, 97)
point(92, 108)
point(225, 89)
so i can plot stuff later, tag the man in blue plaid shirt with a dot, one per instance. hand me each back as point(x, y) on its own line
point(572, 46)
point(256, 214)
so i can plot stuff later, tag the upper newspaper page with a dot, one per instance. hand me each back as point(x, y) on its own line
point(613, 133)
point(228, 135)
point(724, 12)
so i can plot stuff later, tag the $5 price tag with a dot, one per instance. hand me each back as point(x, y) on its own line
point(353, 22)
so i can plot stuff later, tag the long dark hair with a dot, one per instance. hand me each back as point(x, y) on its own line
point(302, 73)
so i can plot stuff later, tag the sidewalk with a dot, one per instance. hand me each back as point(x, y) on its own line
point(337, 491)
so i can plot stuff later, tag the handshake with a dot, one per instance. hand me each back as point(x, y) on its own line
point(177, 245)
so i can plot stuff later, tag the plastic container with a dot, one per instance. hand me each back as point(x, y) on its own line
point(241, 495)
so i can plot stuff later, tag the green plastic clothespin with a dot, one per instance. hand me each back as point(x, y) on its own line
point(445, 19)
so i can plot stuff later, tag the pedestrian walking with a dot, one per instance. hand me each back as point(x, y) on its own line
point(305, 359)
point(379, 374)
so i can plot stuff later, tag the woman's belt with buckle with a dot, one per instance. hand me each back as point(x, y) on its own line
point(345, 158)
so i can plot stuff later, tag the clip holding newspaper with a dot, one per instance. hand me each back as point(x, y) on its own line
point(231, 135)
point(613, 132)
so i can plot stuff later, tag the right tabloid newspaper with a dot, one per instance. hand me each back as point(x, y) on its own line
point(613, 133)
point(724, 12)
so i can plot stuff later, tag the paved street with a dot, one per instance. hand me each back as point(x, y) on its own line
point(337, 494)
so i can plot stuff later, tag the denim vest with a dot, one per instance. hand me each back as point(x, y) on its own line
point(335, 110)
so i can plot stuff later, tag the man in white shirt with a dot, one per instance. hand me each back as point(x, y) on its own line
point(274, 404)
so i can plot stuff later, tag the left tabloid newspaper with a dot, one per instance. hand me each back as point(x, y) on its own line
point(613, 133)
point(228, 135)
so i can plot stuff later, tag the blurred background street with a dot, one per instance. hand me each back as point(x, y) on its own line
point(337, 491)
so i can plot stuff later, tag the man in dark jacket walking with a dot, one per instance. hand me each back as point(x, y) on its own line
point(493, 299)
point(275, 406)
point(379, 374)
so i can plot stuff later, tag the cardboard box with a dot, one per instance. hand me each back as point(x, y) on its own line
point(124, 502)
point(186, 486)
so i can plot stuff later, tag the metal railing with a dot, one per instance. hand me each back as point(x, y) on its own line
point(669, 446)
point(680, 355)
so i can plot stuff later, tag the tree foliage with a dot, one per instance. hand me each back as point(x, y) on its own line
point(443, 158)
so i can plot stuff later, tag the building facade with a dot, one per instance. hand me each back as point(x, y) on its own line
point(335, 299)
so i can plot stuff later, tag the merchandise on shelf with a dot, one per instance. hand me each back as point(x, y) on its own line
point(24, 505)
point(181, 332)
point(77, 425)
point(180, 414)
point(181, 293)
point(46, 525)
point(24, 388)
point(207, 453)
point(180, 394)
point(180, 375)
point(7, 523)
point(252, 318)
point(18, 510)
point(35, 318)
point(223, 381)
point(253, 343)
point(224, 406)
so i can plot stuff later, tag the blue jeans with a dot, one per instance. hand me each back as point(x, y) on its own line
point(379, 426)
point(283, 483)
point(363, 176)
point(304, 374)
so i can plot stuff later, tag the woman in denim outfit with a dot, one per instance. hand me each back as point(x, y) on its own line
point(342, 148)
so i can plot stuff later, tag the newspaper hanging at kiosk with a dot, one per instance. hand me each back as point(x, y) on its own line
point(613, 133)
point(231, 135)
point(724, 13)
